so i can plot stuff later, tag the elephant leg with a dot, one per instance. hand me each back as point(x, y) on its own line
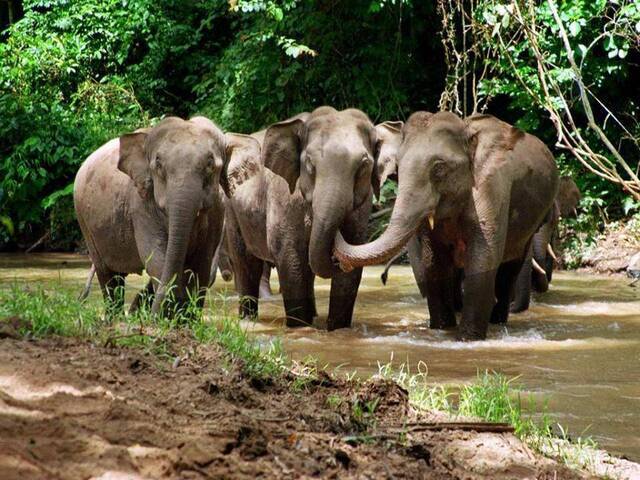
point(457, 294)
point(419, 259)
point(486, 235)
point(440, 288)
point(344, 290)
point(344, 286)
point(143, 299)
point(265, 285)
point(522, 289)
point(505, 283)
point(297, 295)
point(247, 274)
point(112, 285)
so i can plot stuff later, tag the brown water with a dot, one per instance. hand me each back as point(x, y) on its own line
point(578, 347)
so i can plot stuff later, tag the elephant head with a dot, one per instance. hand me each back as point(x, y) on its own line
point(176, 167)
point(389, 137)
point(568, 197)
point(330, 157)
point(435, 172)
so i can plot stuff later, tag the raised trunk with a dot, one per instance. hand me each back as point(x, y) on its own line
point(182, 214)
point(413, 205)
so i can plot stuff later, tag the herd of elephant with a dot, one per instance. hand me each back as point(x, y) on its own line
point(477, 207)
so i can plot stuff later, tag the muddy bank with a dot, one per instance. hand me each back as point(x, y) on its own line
point(612, 249)
point(69, 409)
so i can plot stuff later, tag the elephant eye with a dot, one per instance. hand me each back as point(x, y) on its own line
point(439, 169)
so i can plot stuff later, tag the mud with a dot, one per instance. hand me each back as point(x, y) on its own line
point(70, 410)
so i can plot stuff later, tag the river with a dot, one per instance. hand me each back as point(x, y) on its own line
point(577, 348)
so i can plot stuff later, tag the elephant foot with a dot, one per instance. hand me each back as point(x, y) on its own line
point(517, 307)
point(248, 308)
point(499, 315)
point(471, 336)
point(299, 314)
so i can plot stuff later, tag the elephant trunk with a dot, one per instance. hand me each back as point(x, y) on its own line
point(329, 213)
point(412, 206)
point(182, 215)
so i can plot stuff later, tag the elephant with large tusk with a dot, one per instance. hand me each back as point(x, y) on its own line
point(151, 199)
point(473, 192)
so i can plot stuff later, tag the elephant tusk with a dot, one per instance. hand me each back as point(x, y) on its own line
point(432, 222)
point(551, 253)
point(537, 267)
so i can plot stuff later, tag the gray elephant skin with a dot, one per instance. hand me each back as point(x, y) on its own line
point(537, 271)
point(151, 200)
point(293, 186)
point(474, 192)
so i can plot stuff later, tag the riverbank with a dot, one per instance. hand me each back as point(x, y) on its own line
point(151, 400)
point(608, 252)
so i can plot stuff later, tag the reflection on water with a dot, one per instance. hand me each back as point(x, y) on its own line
point(577, 347)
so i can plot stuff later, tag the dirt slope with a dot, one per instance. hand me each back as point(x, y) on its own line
point(70, 410)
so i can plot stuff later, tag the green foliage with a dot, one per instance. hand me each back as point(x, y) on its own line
point(75, 74)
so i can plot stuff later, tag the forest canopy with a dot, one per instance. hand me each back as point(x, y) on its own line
point(74, 74)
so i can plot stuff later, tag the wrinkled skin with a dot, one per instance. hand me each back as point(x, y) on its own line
point(540, 272)
point(473, 193)
point(151, 200)
point(317, 175)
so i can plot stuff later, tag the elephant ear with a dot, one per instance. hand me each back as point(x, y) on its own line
point(134, 163)
point(243, 161)
point(389, 138)
point(281, 149)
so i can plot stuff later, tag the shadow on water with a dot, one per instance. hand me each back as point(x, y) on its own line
point(578, 347)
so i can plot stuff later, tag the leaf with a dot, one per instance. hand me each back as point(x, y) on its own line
point(622, 53)
point(51, 200)
point(612, 53)
point(574, 28)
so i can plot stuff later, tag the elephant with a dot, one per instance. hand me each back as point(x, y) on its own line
point(151, 200)
point(473, 192)
point(293, 186)
point(537, 270)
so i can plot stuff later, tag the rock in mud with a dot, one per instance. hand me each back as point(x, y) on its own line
point(633, 269)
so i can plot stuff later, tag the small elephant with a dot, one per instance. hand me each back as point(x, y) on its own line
point(537, 270)
point(474, 192)
point(315, 174)
point(151, 199)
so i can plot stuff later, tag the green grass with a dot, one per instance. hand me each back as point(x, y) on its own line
point(56, 311)
point(493, 397)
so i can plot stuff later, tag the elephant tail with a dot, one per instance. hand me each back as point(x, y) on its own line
point(87, 286)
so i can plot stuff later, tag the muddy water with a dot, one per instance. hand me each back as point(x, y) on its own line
point(577, 348)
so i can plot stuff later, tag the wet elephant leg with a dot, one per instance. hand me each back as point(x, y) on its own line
point(247, 274)
point(247, 269)
point(418, 259)
point(441, 285)
point(522, 289)
point(478, 302)
point(112, 285)
point(295, 277)
point(344, 286)
point(344, 290)
point(505, 283)
point(457, 294)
